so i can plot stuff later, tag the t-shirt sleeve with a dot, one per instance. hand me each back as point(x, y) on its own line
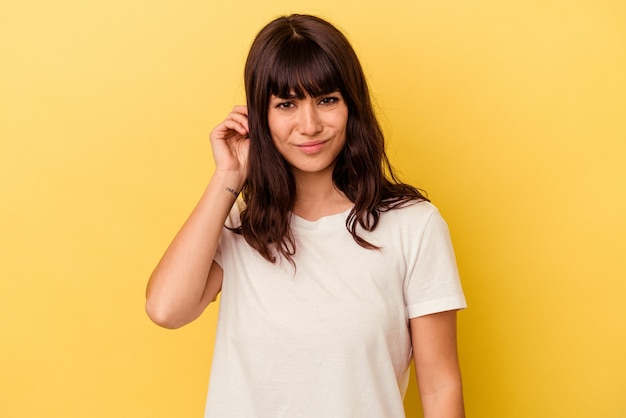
point(432, 284)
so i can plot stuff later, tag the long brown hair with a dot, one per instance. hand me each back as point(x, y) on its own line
point(304, 54)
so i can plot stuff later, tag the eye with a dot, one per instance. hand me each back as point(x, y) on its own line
point(328, 100)
point(285, 105)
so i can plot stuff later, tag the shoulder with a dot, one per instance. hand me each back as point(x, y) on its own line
point(413, 222)
point(414, 212)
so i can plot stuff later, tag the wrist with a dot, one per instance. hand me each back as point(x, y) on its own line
point(230, 182)
point(232, 191)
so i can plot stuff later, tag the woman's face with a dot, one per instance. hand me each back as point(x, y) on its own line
point(309, 133)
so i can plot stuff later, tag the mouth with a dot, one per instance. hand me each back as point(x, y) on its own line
point(312, 147)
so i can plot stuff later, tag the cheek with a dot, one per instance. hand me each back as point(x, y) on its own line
point(277, 128)
point(277, 138)
point(279, 143)
point(271, 122)
point(342, 119)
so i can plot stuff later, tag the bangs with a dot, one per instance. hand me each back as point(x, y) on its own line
point(302, 68)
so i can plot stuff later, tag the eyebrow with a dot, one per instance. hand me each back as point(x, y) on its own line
point(293, 95)
point(290, 95)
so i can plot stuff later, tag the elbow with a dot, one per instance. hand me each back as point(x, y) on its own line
point(162, 316)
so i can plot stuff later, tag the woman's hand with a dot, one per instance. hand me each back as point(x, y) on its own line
point(231, 143)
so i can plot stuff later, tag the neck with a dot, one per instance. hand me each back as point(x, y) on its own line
point(317, 196)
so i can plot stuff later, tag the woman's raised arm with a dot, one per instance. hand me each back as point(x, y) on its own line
point(187, 279)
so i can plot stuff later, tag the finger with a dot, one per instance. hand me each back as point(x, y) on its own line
point(239, 125)
point(235, 123)
point(241, 118)
point(241, 109)
point(228, 129)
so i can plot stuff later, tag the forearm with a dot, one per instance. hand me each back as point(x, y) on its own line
point(177, 290)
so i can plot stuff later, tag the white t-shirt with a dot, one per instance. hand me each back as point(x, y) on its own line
point(329, 338)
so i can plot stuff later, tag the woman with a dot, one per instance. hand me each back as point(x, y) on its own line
point(332, 273)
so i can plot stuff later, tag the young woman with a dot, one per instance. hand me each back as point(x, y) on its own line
point(333, 274)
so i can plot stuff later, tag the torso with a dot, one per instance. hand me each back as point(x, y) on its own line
point(329, 338)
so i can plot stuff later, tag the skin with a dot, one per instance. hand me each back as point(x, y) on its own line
point(186, 279)
point(309, 133)
point(433, 338)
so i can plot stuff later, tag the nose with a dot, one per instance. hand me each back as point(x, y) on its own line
point(310, 121)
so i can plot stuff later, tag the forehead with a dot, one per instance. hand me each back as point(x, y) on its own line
point(303, 70)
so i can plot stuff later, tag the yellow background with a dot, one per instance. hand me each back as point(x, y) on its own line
point(511, 114)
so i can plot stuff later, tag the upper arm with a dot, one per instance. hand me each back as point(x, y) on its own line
point(434, 342)
point(176, 318)
point(213, 286)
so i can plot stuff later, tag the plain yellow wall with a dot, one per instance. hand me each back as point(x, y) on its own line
point(511, 114)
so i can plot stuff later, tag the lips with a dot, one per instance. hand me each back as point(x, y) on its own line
point(311, 147)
